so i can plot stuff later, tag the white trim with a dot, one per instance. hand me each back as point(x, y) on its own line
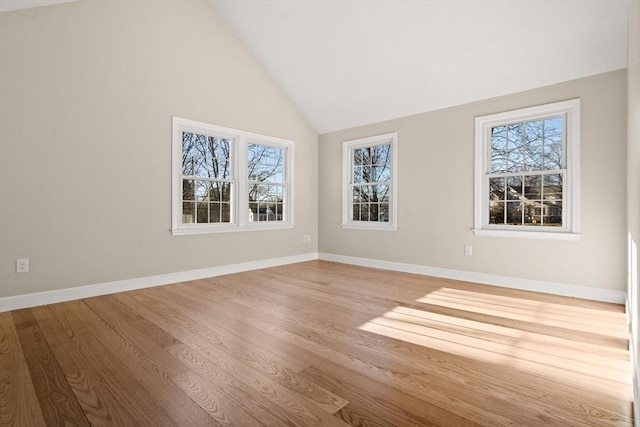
point(597, 294)
point(347, 200)
point(88, 291)
point(570, 111)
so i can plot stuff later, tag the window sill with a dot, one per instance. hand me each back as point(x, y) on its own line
point(528, 234)
point(188, 230)
point(369, 226)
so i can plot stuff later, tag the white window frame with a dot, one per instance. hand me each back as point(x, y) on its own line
point(240, 198)
point(348, 148)
point(570, 112)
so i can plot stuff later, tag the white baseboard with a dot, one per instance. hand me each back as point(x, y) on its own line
point(597, 294)
point(69, 294)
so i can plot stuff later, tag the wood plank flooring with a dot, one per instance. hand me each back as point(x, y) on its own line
point(317, 344)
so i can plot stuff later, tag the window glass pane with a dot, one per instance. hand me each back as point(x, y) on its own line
point(221, 151)
point(188, 187)
point(515, 154)
point(224, 188)
point(514, 188)
point(356, 212)
point(189, 153)
point(202, 213)
point(375, 193)
point(373, 211)
point(253, 211)
point(380, 155)
point(499, 149)
point(361, 157)
point(215, 212)
point(380, 173)
point(553, 156)
point(532, 149)
point(553, 137)
point(514, 213)
point(552, 213)
point(366, 173)
point(355, 191)
point(496, 188)
point(533, 187)
point(532, 212)
point(225, 212)
point(496, 213)
point(188, 213)
point(257, 192)
point(382, 192)
point(267, 196)
point(533, 132)
point(553, 130)
point(552, 189)
point(533, 157)
point(202, 190)
point(279, 212)
point(205, 156)
point(364, 212)
point(365, 193)
point(357, 174)
point(384, 212)
point(265, 163)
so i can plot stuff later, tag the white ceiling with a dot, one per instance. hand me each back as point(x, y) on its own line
point(349, 63)
point(8, 5)
point(346, 63)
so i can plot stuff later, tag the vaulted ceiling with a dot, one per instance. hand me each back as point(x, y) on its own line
point(346, 63)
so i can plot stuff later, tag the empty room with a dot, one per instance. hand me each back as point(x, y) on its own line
point(319, 212)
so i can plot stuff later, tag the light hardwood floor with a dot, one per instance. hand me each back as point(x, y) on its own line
point(317, 343)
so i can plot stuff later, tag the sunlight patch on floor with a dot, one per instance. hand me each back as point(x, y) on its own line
point(598, 366)
point(592, 321)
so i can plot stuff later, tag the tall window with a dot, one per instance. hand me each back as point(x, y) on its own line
point(369, 182)
point(228, 180)
point(527, 171)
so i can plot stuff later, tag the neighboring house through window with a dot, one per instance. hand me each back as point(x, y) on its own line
point(527, 172)
point(369, 183)
point(227, 180)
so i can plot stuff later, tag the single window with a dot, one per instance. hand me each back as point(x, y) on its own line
point(369, 183)
point(213, 167)
point(527, 172)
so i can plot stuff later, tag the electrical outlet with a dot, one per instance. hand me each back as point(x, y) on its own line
point(22, 265)
point(468, 250)
point(306, 238)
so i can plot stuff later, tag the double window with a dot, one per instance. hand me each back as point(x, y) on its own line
point(227, 180)
point(369, 182)
point(527, 172)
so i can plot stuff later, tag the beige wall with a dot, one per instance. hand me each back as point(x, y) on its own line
point(87, 91)
point(435, 193)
